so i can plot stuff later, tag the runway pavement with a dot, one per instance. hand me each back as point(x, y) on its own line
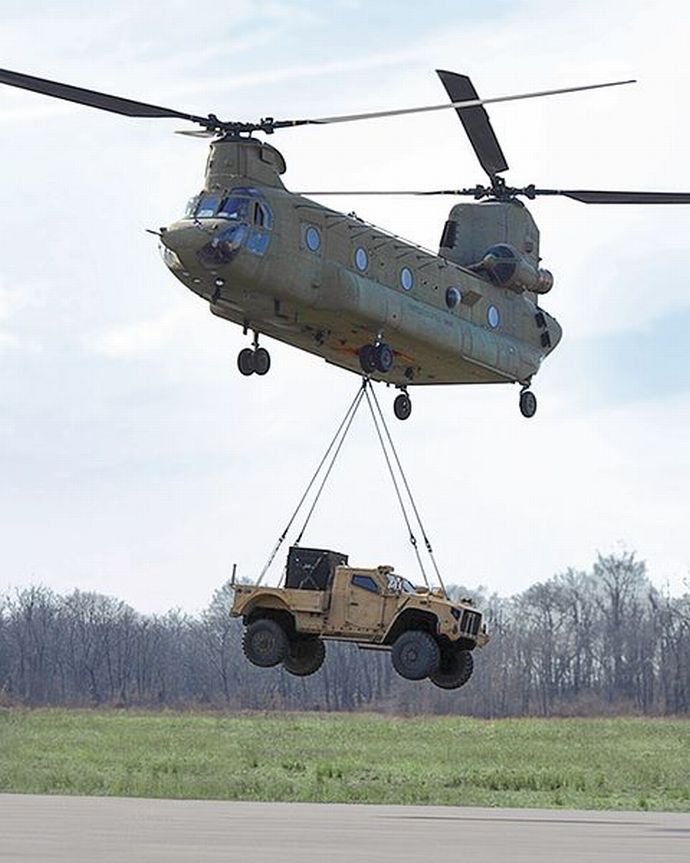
point(118, 830)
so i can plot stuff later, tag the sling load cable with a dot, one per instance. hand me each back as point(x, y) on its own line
point(342, 428)
point(413, 538)
point(366, 386)
point(407, 489)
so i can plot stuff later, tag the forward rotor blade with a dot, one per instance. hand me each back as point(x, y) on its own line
point(600, 197)
point(476, 123)
point(92, 98)
point(468, 103)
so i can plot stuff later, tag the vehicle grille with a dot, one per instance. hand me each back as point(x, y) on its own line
point(470, 622)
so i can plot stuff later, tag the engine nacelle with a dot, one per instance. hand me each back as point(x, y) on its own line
point(507, 267)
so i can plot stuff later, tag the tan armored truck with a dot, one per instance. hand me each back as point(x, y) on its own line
point(324, 598)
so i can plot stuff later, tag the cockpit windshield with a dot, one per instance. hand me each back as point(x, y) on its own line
point(208, 206)
point(398, 584)
point(241, 205)
point(234, 207)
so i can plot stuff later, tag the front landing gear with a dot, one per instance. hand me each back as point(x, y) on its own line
point(402, 406)
point(528, 403)
point(254, 360)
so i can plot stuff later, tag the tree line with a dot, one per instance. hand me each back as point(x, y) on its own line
point(582, 643)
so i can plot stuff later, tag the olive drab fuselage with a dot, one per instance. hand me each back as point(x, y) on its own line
point(282, 265)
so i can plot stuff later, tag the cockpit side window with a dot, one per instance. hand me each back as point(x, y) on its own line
point(192, 204)
point(262, 215)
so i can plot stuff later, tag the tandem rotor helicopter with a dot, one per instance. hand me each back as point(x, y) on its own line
point(281, 265)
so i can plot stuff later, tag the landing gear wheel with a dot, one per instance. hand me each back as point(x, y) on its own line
point(262, 361)
point(367, 358)
point(455, 669)
point(402, 406)
point(264, 643)
point(528, 403)
point(416, 654)
point(245, 362)
point(384, 358)
point(304, 656)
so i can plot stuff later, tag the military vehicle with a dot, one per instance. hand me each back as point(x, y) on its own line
point(325, 599)
point(280, 265)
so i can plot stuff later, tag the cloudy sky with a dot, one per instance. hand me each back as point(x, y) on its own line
point(133, 458)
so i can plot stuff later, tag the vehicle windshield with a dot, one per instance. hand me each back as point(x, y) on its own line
point(398, 584)
point(234, 207)
point(241, 205)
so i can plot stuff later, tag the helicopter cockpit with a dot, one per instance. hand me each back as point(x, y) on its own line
point(250, 214)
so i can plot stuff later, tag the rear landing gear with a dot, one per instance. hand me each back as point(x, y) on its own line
point(402, 406)
point(254, 360)
point(528, 403)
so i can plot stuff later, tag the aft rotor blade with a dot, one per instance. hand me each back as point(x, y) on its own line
point(92, 98)
point(393, 192)
point(600, 197)
point(476, 123)
point(468, 103)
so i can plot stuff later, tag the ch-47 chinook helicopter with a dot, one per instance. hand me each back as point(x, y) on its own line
point(279, 264)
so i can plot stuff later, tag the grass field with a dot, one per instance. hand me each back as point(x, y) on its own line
point(573, 763)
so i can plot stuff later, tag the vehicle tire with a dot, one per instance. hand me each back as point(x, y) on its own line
point(304, 656)
point(416, 654)
point(262, 361)
point(528, 404)
point(245, 362)
point(367, 358)
point(402, 406)
point(264, 643)
point(455, 669)
point(384, 358)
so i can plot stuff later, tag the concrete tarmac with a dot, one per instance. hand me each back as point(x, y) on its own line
point(35, 829)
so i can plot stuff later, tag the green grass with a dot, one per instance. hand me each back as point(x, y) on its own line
point(573, 763)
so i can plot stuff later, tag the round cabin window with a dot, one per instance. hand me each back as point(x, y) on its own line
point(313, 238)
point(406, 278)
point(493, 317)
point(361, 259)
point(453, 297)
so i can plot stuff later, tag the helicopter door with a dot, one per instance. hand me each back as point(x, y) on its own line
point(364, 604)
point(261, 221)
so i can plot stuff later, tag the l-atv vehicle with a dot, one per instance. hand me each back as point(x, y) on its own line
point(324, 598)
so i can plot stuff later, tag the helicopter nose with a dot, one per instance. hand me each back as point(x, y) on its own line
point(184, 240)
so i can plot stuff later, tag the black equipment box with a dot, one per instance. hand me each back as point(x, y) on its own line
point(312, 568)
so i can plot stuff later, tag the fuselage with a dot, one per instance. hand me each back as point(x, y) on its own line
point(285, 266)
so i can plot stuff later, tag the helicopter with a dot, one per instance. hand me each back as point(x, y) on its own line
point(281, 265)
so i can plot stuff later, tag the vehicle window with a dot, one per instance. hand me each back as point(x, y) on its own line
point(397, 584)
point(234, 207)
point(312, 238)
point(207, 206)
point(366, 582)
point(190, 209)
